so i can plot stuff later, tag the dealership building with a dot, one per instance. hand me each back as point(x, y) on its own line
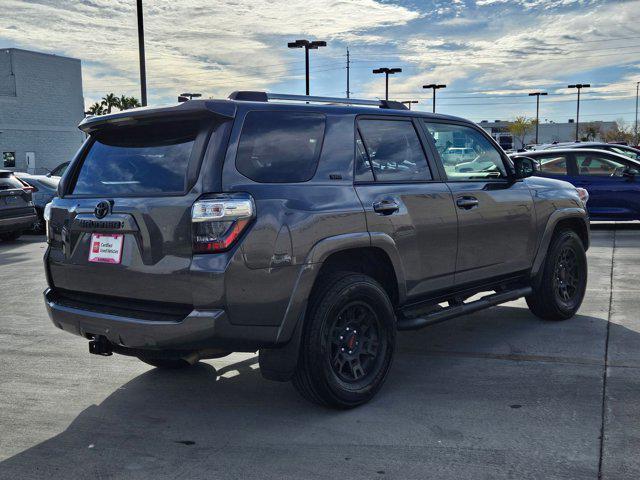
point(41, 104)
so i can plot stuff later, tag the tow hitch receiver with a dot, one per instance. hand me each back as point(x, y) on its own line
point(100, 346)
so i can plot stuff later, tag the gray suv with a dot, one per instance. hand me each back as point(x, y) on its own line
point(311, 229)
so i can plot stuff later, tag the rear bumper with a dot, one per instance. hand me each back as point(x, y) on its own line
point(198, 330)
point(14, 224)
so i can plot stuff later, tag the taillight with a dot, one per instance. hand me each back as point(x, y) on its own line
point(219, 221)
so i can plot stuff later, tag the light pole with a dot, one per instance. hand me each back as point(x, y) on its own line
point(578, 86)
point(434, 87)
point(537, 95)
point(307, 45)
point(183, 97)
point(387, 72)
point(636, 128)
point(143, 68)
point(408, 103)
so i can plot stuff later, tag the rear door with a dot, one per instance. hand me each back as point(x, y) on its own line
point(404, 198)
point(613, 194)
point(122, 226)
point(496, 218)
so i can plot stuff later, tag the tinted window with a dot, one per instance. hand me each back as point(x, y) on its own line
point(280, 147)
point(552, 164)
point(627, 152)
point(137, 160)
point(394, 151)
point(598, 165)
point(480, 160)
point(60, 169)
point(364, 172)
point(9, 182)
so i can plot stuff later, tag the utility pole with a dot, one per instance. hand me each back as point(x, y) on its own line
point(636, 128)
point(307, 45)
point(434, 87)
point(348, 66)
point(578, 86)
point(143, 68)
point(387, 72)
point(537, 95)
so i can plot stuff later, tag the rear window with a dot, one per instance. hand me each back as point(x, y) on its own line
point(9, 182)
point(280, 147)
point(139, 160)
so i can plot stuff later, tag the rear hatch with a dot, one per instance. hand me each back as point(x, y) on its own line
point(14, 200)
point(121, 227)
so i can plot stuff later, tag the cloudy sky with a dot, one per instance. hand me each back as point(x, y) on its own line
point(490, 53)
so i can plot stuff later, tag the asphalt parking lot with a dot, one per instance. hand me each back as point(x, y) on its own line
point(497, 394)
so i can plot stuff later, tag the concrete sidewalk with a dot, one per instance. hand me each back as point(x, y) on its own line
point(497, 394)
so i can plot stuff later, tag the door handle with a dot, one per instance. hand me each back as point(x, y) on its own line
point(386, 207)
point(467, 203)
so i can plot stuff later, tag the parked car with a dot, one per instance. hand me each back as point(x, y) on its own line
point(627, 151)
point(612, 180)
point(17, 213)
point(309, 232)
point(43, 189)
point(59, 170)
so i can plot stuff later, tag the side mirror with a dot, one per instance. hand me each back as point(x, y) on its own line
point(524, 166)
point(630, 172)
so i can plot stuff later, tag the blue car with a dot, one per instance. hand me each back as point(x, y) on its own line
point(612, 180)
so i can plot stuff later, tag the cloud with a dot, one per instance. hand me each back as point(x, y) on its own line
point(212, 47)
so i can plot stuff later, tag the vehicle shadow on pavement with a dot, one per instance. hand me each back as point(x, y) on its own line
point(485, 395)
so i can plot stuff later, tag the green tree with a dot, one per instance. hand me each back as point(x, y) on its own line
point(96, 109)
point(520, 127)
point(125, 103)
point(111, 101)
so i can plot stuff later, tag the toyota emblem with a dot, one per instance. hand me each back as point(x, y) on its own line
point(102, 209)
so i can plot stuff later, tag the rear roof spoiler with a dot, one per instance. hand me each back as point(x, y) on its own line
point(190, 109)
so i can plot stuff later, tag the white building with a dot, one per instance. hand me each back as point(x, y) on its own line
point(548, 132)
point(41, 104)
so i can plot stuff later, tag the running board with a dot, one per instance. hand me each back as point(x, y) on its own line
point(447, 313)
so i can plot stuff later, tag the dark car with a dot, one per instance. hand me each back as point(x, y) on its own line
point(16, 208)
point(43, 189)
point(59, 170)
point(627, 151)
point(307, 231)
point(612, 180)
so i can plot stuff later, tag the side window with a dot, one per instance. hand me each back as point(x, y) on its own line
point(593, 164)
point(280, 146)
point(466, 153)
point(394, 151)
point(552, 164)
point(364, 172)
point(624, 151)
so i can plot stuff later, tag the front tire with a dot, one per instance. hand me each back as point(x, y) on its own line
point(564, 279)
point(348, 342)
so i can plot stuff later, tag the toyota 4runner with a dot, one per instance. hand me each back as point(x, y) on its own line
point(310, 229)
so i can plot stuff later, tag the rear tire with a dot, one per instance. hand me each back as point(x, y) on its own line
point(564, 279)
point(166, 363)
point(10, 237)
point(348, 341)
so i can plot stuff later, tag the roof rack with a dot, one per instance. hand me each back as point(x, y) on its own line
point(252, 96)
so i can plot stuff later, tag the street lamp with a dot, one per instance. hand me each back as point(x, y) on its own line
point(307, 45)
point(434, 87)
point(578, 86)
point(143, 68)
point(408, 103)
point(183, 97)
point(537, 95)
point(387, 72)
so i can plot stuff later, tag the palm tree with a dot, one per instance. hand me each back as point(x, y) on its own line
point(96, 109)
point(110, 101)
point(125, 103)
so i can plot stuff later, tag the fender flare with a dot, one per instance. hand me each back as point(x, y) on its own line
point(552, 222)
point(279, 363)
